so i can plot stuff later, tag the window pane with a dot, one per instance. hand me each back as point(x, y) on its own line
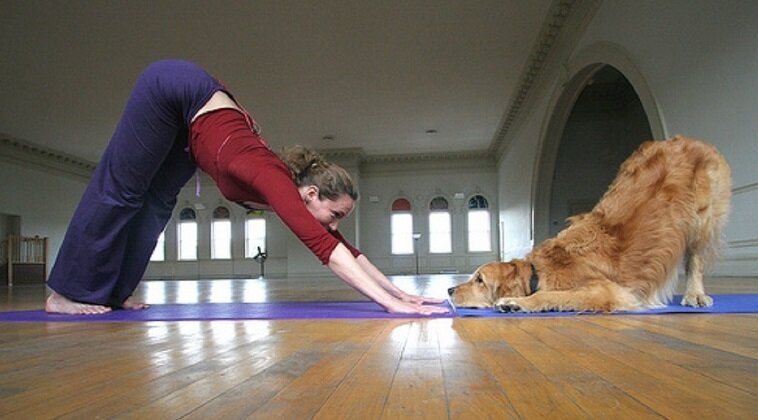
point(439, 232)
point(159, 253)
point(255, 236)
point(438, 203)
point(478, 202)
point(221, 213)
point(402, 233)
point(187, 214)
point(479, 231)
point(187, 238)
point(401, 204)
point(221, 239)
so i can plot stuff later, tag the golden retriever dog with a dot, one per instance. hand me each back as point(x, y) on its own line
point(668, 203)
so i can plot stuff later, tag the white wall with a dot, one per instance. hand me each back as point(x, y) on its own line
point(515, 175)
point(287, 256)
point(699, 60)
point(420, 187)
point(43, 201)
point(278, 240)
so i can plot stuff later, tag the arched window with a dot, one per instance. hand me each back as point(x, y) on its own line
point(479, 234)
point(221, 234)
point(440, 233)
point(187, 234)
point(255, 233)
point(401, 226)
point(159, 253)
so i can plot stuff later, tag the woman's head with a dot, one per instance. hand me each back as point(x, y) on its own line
point(326, 188)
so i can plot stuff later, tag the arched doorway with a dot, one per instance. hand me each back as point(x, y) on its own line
point(605, 124)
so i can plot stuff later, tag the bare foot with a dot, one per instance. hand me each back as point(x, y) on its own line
point(57, 304)
point(130, 304)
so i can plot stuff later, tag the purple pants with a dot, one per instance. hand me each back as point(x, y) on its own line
point(133, 191)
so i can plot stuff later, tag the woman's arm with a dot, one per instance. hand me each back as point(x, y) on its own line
point(390, 287)
point(347, 268)
point(246, 170)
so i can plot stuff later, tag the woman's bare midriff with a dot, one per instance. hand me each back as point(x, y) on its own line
point(219, 100)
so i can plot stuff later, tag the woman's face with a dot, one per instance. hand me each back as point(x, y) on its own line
point(328, 212)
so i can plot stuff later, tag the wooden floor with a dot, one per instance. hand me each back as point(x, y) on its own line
point(671, 366)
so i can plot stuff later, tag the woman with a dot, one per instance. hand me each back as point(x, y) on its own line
point(179, 118)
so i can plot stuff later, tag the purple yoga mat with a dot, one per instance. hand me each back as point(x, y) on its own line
point(742, 303)
point(722, 304)
point(228, 311)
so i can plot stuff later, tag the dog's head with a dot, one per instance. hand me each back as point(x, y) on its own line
point(491, 282)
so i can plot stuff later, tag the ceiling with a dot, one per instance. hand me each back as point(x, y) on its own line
point(389, 77)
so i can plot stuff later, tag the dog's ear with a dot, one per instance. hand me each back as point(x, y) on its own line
point(523, 272)
point(505, 280)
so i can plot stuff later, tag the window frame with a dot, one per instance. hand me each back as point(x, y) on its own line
point(402, 207)
point(255, 216)
point(437, 206)
point(221, 218)
point(480, 205)
point(407, 237)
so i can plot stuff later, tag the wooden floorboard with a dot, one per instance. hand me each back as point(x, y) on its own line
point(654, 366)
point(365, 389)
point(570, 388)
point(418, 389)
point(720, 397)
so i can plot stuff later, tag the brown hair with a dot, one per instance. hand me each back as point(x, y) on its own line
point(309, 168)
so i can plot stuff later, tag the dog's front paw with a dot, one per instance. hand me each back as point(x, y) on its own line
point(507, 305)
point(697, 301)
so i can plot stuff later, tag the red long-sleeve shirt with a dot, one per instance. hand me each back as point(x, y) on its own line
point(225, 145)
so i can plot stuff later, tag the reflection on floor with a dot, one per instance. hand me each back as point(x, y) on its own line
point(653, 366)
point(295, 289)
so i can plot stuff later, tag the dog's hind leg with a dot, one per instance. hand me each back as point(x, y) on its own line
point(694, 261)
point(600, 297)
point(712, 187)
point(695, 295)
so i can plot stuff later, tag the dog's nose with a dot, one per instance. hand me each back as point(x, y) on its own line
point(450, 291)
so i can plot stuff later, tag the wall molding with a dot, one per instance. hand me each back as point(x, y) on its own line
point(19, 151)
point(739, 257)
point(428, 163)
point(358, 154)
point(745, 188)
point(551, 29)
point(743, 243)
point(566, 20)
point(23, 152)
point(483, 155)
point(411, 162)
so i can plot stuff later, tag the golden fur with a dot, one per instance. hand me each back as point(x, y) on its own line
point(668, 202)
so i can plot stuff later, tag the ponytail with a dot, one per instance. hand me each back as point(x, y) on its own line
point(309, 168)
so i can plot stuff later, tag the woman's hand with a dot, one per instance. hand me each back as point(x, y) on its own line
point(387, 285)
point(378, 288)
point(400, 307)
point(419, 300)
